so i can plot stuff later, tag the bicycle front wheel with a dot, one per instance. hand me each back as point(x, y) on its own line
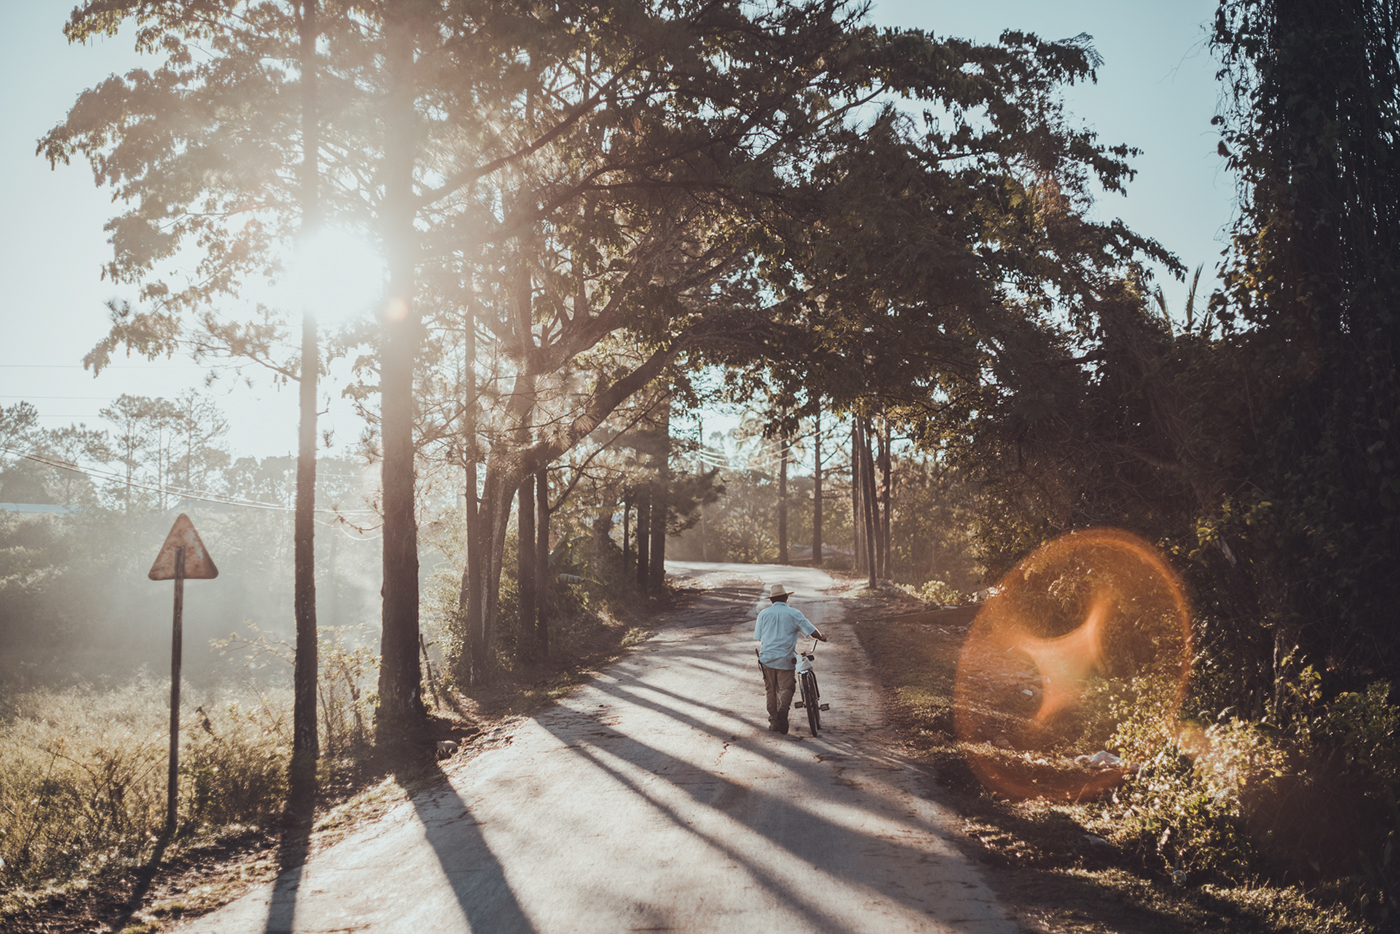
point(809, 702)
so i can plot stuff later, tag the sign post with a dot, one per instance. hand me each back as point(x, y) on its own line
point(182, 557)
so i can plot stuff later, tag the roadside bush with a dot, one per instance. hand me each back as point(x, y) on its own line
point(937, 593)
point(590, 589)
point(1235, 798)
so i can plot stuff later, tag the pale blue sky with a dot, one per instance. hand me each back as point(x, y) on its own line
point(1156, 91)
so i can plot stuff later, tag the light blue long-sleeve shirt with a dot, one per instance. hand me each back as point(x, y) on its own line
point(776, 630)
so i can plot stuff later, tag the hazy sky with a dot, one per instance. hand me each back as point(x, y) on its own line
point(1155, 91)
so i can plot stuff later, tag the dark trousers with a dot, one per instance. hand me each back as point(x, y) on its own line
point(780, 683)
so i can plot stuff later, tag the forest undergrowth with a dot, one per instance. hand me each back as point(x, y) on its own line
point(1263, 833)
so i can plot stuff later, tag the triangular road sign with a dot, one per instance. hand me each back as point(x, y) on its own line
point(198, 564)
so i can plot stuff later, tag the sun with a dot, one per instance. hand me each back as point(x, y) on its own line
point(336, 276)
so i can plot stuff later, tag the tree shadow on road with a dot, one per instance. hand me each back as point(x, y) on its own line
point(805, 836)
point(627, 687)
point(477, 878)
point(292, 848)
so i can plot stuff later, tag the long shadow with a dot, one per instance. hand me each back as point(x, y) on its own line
point(635, 684)
point(802, 902)
point(477, 878)
point(292, 848)
point(803, 833)
point(144, 877)
point(631, 696)
point(767, 751)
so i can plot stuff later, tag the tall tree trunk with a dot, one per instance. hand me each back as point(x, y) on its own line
point(305, 743)
point(469, 603)
point(525, 515)
point(506, 472)
point(817, 558)
point(886, 497)
point(527, 561)
point(660, 508)
point(542, 575)
point(783, 556)
point(498, 490)
point(644, 541)
point(867, 473)
point(400, 700)
point(857, 499)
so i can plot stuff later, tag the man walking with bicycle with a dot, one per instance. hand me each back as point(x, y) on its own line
point(777, 629)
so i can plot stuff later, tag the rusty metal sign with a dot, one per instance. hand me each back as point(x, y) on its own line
point(182, 557)
point(197, 563)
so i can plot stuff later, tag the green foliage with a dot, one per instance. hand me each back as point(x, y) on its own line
point(940, 593)
point(590, 590)
point(1173, 819)
point(1309, 291)
point(1237, 799)
point(1366, 725)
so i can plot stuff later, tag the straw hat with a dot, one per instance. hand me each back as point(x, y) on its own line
point(778, 590)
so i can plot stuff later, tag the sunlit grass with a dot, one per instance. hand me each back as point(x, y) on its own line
point(83, 774)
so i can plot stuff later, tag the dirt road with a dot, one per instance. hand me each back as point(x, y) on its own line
point(655, 799)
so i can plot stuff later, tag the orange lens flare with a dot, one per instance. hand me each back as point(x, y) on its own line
point(395, 310)
point(1082, 617)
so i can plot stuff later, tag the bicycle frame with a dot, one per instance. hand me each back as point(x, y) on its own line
point(807, 684)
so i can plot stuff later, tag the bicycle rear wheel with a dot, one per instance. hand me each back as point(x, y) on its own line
point(809, 702)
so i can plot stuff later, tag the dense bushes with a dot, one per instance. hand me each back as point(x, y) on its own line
point(1231, 799)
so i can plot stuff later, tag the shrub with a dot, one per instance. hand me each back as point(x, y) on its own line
point(940, 593)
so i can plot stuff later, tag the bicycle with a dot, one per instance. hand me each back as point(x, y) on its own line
point(807, 683)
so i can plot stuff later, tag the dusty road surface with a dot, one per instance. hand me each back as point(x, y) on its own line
point(656, 799)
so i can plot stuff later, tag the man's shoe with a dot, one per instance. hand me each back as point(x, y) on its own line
point(782, 727)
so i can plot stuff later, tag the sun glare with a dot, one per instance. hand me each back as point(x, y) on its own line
point(1090, 615)
point(336, 276)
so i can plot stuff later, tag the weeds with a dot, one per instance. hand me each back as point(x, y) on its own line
point(84, 775)
point(83, 772)
point(1235, 825)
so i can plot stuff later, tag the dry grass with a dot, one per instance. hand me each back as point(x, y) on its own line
point(83, 779)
